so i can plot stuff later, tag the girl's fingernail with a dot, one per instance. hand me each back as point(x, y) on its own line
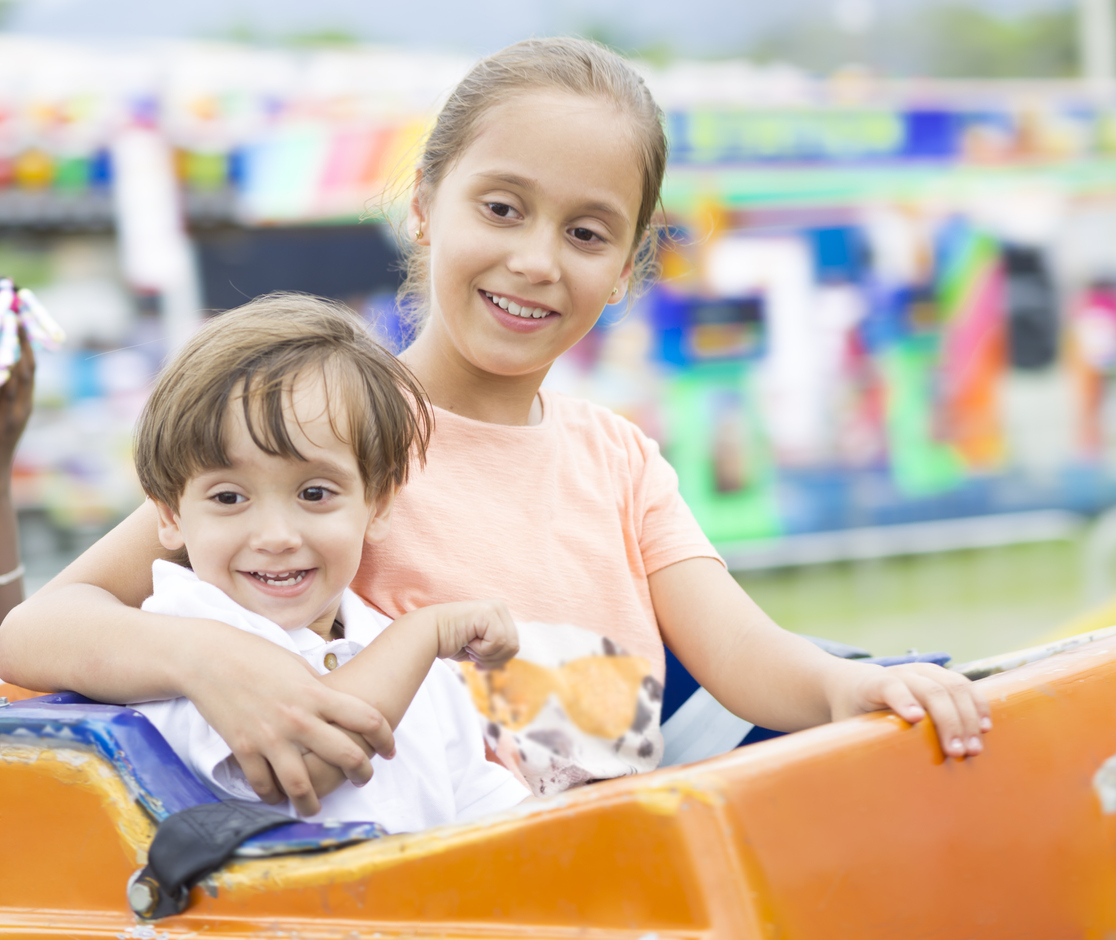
point(956, 746)
point(974, 744)
point(985, 724)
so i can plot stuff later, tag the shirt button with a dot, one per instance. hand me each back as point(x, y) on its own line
point(330, 661)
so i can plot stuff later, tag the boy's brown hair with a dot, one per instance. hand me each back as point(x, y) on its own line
point(254, 353)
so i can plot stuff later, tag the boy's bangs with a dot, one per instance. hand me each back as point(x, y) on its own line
point(266, 401)
point(268, 407)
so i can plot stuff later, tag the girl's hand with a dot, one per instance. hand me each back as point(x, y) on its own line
point(481, 631)
point(957, 707)
point(270, 707)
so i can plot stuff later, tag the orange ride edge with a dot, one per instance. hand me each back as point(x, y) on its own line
point(857, 829)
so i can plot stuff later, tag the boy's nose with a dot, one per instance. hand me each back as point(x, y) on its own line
point(275, 533)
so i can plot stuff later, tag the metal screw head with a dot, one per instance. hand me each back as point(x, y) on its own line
point(142, 896)
point(3, 700)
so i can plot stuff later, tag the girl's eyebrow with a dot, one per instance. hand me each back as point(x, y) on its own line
point(531, 186)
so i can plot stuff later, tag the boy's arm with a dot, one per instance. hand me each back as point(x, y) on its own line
point(83, 632)
point(388, 672)
point(781, 681)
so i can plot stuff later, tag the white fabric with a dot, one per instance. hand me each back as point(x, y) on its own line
point(439, 773)
point(701, 728)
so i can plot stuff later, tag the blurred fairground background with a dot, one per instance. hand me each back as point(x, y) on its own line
point(882, 353)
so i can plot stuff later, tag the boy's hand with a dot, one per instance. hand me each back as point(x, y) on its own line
point(481, 631)
point(957, 707)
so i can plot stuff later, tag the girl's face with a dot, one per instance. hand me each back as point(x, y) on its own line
point(530, 232)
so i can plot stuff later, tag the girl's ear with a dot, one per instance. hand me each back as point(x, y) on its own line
point(170, 534)
point(379, 522)
point(624, 280)
point(416, 213)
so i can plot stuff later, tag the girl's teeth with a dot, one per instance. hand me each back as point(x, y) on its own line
point(515, 309)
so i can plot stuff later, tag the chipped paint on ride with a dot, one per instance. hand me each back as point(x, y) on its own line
point(85, 769)
point(668, 801)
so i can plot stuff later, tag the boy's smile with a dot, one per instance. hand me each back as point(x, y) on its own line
point(281, 536)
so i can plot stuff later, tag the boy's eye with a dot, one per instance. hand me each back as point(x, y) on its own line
point(314, 494)
point(228, 498)
point(501, 209)
point(584, 234)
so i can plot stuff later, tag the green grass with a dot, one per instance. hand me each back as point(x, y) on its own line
point(968, 603)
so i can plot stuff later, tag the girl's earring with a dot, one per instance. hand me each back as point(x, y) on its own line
point(418, 235)
point(614, 291)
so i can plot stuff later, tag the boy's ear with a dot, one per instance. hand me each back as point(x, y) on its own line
point(379, 522)
point(416, 213)
point(170, 535)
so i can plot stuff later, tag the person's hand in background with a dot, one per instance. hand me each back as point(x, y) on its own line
point(15, 410)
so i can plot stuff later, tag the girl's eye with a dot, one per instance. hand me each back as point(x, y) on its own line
point(314, 494)
point(228, 498)
point(584, 234)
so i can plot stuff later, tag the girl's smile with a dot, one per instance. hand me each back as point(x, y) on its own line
point(531, 232)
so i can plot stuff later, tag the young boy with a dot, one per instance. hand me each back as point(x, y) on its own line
point(272, 447)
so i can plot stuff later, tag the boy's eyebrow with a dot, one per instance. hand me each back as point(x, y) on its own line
point(523, 182)
point(332, 468)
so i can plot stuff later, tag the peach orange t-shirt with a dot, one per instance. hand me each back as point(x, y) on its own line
point(563, 520)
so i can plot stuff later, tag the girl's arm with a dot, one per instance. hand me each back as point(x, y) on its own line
point(781, 681)
point(83, 632)
point(388, 672)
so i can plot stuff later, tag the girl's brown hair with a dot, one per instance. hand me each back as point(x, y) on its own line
point(250, 357)
point(566, 64)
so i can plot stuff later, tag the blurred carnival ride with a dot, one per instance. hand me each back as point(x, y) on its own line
point(884, 303)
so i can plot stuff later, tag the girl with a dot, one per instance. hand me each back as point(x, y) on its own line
point(531, 204)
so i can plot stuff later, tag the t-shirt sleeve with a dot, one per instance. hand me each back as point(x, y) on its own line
point(480, 786)
point(668, 531)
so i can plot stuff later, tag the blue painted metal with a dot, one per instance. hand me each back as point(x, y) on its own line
point(150, 769)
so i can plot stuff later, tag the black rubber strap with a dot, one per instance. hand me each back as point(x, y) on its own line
point(190, 844)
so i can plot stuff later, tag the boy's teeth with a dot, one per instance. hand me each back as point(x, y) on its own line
point(515, 309)
point(283, 579)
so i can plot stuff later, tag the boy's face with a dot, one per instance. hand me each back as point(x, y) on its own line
point(282, 537)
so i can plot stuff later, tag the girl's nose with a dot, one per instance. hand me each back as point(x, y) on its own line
point(535, 255)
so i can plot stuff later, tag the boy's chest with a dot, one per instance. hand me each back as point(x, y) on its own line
point(413, 790)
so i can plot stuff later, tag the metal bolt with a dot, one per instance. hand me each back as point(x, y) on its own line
point(4, 701)
point(142, 896)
